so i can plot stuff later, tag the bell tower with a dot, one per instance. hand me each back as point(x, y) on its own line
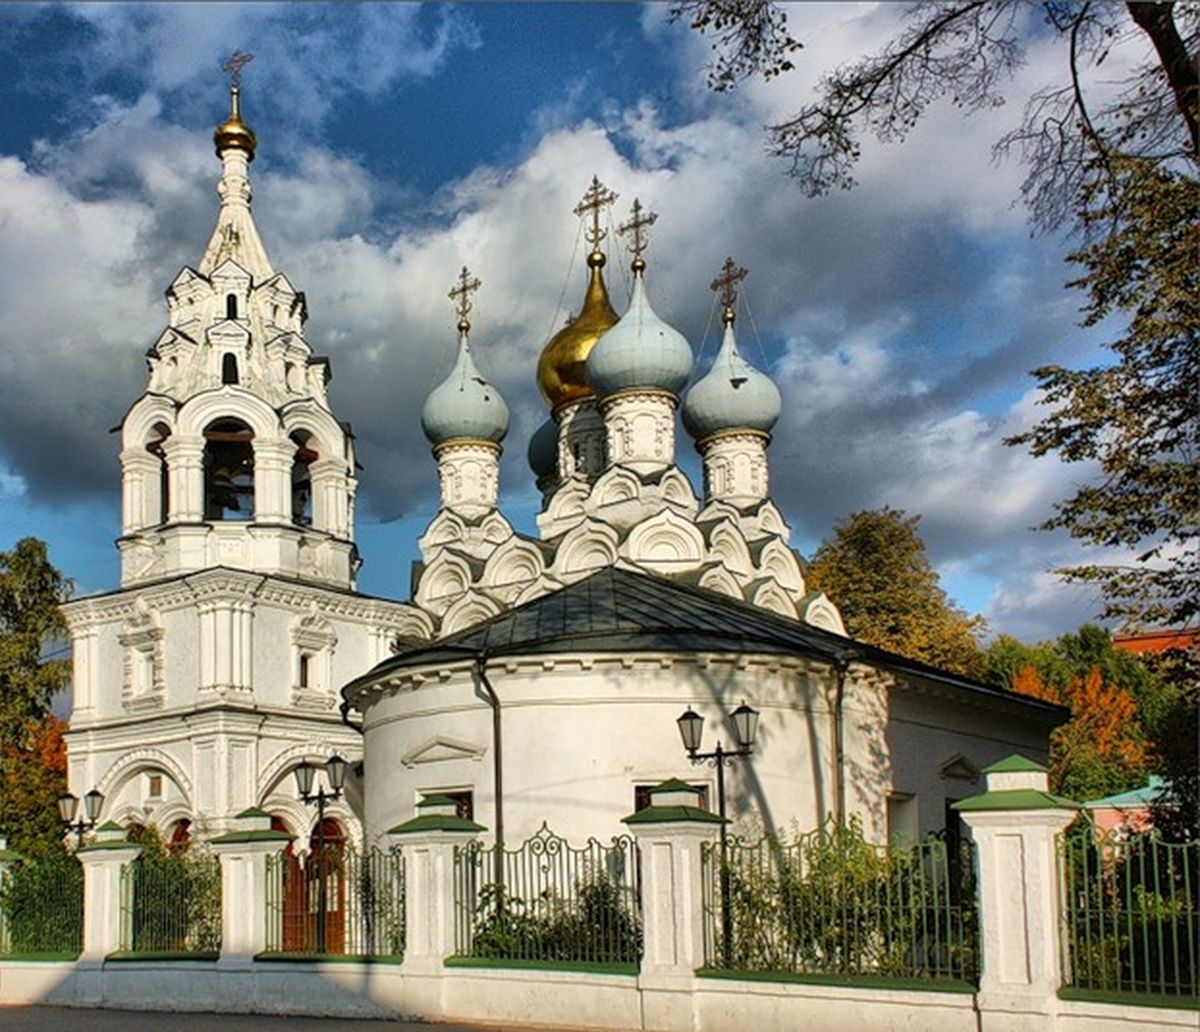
point(232, 456)
point(212, 673)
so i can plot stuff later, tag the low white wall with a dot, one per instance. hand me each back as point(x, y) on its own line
point(722, 1004)
point(575, 998)
point(1086, 1016)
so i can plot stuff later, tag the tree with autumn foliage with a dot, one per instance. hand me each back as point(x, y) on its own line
point(32, 755)
point(876, 571)
point(1103, 748)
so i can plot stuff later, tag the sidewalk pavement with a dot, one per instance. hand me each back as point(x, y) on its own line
point(71, 1019)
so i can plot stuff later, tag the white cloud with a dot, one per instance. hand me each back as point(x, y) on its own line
point(884, 405)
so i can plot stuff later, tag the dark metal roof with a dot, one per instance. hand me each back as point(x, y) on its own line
point(622, 610)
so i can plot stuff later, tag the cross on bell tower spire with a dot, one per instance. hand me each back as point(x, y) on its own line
point(725, 286)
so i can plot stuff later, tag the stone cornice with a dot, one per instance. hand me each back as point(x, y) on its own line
point(412, 679)
point(220, 583)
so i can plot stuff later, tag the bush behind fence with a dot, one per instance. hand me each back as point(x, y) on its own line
point(1131, 913)
point(171, 902)
point(832, 904)
point(41, 908)
point(361, 894)
point(547, 901)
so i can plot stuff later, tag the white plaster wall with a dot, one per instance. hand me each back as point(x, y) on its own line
point(577, 739)
point(580, 732)
point(924, 732)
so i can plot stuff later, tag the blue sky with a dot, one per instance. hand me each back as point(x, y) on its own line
point(398, 142)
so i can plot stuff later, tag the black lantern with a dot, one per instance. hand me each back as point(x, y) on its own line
point(335, 770)
point(67, 805)
point(745, 725)
point(304, 779)
point(691, 729)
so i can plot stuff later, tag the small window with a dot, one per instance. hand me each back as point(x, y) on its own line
point(305, 663)
point(229, 369)
point(464, 801)
point(641, 796)
point(231, 306)
point(902, 817)
point(154, 786)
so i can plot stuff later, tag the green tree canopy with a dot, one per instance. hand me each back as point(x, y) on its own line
point(875, 569)
point(1137, 417)
point(32, 761)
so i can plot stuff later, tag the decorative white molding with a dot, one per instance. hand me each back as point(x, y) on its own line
point(440, 748)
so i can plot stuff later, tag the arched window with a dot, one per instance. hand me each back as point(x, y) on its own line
point(156, 447)
point(231, 306)
point(181, 835)
point(228, 470)
point(229, 369)
point(302, 500)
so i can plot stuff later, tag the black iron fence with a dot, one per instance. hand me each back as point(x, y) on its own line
point(549, 902)
point(336, 901)
point(1131, 913)
point(830, 903)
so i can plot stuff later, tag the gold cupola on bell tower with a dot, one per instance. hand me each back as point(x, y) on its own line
point(234, 134)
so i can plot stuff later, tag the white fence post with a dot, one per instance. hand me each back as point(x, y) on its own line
point(1015, 825)
point(669, 834)
point(243, 853)
point(427, 843)
point(102, 860)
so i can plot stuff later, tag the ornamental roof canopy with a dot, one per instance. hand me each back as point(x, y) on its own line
point(625, 611)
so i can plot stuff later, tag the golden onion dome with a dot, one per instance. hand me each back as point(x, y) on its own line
point(562, 367)
point(235, 134)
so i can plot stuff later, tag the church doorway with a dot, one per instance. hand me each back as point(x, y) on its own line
point(314, 883)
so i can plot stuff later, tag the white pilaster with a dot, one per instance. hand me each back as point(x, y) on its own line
point(670, 834)
point(102, 861)
point(243, 854)
point(1015, 825)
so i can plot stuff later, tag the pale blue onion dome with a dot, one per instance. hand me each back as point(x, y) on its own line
point(732, 395)
point(543, 450)
point(464, 405)
point(641, 351)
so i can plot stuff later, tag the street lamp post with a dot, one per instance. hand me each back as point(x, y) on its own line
point(335, 771)
point(745, 730)
point(68, 807)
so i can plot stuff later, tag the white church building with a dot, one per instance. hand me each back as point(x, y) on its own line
point(532, 677)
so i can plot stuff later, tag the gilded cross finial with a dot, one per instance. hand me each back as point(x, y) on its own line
point(598, 196)
point(233, 65)
point(725, 286)
point(638, 225)
point(461, 296)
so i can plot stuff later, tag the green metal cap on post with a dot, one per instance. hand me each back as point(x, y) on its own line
point(672, 800)
point(1015, 783)
point(252, 825)
point(436, 813)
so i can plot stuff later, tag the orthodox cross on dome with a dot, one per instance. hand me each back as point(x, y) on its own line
point(725, 286)
point(461, 296)
point(233, 65)
point(598, 196)
point(638, 225)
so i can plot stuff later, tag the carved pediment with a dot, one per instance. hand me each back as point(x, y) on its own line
point(959, 768)
point(440, 748)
